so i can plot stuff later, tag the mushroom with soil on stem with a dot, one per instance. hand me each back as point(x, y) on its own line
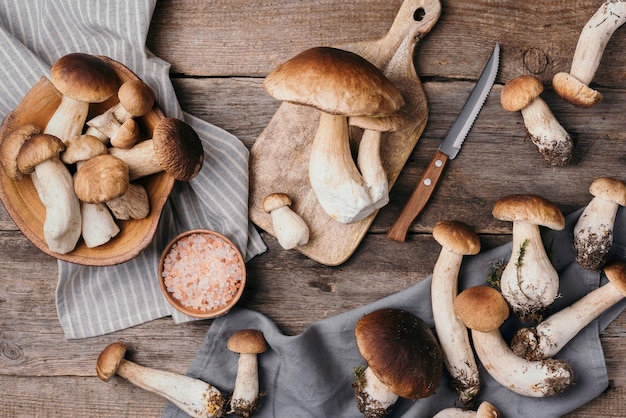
point(403, 360)
point(174, 147)
point(248, 343)
point(40, 157)
point(595, 35)
point(484, 310)
point(485, 410)
point(593, 232)
point(339, 83)
point(457, 239)
point(290, 229)
point(551, 139)
point(10, 148)
point(548, 338)
point(193, 396)
point(529, 281)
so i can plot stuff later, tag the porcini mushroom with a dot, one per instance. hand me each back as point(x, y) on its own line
point(529, 281)
point(101, 178)
point(595, 35)
point(485, 410)
point(483, 310)
point(133, 204)
point(457, 239)
point(290, 229)
point(593, 232)
point(10, 148)
point(248, 343)
point(339, 83)
point(136, 99)
point(193, 396)
point(174, 147)
point(551, 335)
point(39, 157)
point(551, 139)
point(403, 360)
point(126, 136)
point(82, 79)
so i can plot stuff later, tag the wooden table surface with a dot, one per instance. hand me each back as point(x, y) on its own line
point(220, 51)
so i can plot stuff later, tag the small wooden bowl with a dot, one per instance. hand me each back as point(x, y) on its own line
point(22, 202)
point(208, 252)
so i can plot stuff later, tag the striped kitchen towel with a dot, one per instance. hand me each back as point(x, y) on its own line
point(98, 300)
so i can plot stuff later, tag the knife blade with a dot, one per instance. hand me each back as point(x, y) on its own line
point(448, 150)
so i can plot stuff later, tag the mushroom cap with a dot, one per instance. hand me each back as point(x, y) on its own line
point(126, 135)
point(457, 237)
point(401, 351)
point(519, 92)
point(529, 208)
point(276, 201)
point(178, 148)
point(247, 341)
point(10, 148)
point(481, 308)
point(334, 81)
point(82, 148)
point(575, 91)
point(615, 271)
point(101, 178)
point(608, 188)
point(109, 360)
point(84, 77)
point(136, 97)
point(37, 149)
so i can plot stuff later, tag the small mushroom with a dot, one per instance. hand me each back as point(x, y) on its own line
point(595, 35)
point(551, 335)
point(106, 124)
point(193, 396)
point(403, 360)
point(10, 148)
point(133, 204)
point(483, 310)
point(529, 281)
point(550, 138)
point(339, 83)
point(126, 136)
point(174, 147)
point(136, 99)
point(485, 410)
point(248, 343)
point(593, 232)
point(290, 229)
point(457, 239)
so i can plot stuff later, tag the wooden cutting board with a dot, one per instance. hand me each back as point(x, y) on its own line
point(279, 159)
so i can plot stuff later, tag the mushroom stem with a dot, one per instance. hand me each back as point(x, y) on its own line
point(246, 390)
point(593, 232)
point(140, 159)
point(68, 120)
point(98, 226)
point(374, 398)
point(371, 167)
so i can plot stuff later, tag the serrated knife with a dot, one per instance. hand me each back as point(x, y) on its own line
point(448, 149)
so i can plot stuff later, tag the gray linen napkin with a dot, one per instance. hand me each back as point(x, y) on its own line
point(94, 301)
point(310, 374)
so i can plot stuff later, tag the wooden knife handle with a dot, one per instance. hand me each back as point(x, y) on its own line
point(419, 197)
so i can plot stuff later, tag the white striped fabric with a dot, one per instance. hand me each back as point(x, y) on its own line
point(98, 300)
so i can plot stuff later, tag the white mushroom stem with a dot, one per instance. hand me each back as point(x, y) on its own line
point(68, 120)
point(334, 177)
point(376, 395)
point(246, 390)
point(551, 335)
point(98, 226)
point(593, 232)
point(290, 229)
point(529, 281)
point(96, 133)
point(105, 123)
point(371, 168)
point(193, 396)
point(140, 159)
point(451, 332)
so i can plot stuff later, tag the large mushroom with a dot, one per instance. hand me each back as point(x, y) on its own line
point(339, 83)
point(551, 335)
point(248, 343)
point(595, 35)
point(403, 360)
point(529, 281)
point(550, 138)
point(193, 396)
point(457, 239)
point(290, 229)
point(484, 310)
point(593, 232)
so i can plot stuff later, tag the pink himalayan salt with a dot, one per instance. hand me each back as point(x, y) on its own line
point(202, 271)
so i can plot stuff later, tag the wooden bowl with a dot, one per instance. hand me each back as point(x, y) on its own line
point(22, 202)
point(213, 253)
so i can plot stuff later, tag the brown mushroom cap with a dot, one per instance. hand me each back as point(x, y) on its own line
point(615, 271)
point(575, 91)
point(275, 201)
point(610, 189)
point(481, 308)
point(10, 148)
point(334, 81)
point(37, 149)
point(529, 208)
point(136, 97)
point(177, 148)
point(109, 360)
point(457, 237)
point(519, 92)
point(84, 77)
point(101, 179)
point(401, 351)
point(247, 341)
